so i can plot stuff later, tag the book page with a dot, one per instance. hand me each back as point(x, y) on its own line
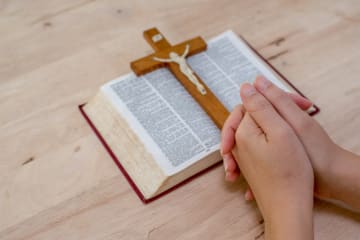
point(228, 63)
point(172, 126)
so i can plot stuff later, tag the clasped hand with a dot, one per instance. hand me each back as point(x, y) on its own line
point(285, 156)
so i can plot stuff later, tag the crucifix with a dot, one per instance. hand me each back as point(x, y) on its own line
point(174, 57)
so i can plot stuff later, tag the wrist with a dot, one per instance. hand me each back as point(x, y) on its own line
point(334, 176)
point(290, 219)
point(327, 174)
point(344, 177)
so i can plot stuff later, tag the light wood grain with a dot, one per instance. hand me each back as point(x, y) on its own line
point(57, 182)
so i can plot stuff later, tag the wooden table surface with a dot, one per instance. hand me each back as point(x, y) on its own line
point(57, 181)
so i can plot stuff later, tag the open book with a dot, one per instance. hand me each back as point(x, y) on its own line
point(156, 132)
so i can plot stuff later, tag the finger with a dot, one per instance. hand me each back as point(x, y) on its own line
point(232, 171)
point(283, 104)
point(247, 129)
point(228, 140)
point(229, 129)
point(229, 162)
point(261, 109)
point(232, 176)
point(300, 101)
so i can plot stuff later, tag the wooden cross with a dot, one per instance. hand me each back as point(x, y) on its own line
point(208, 101)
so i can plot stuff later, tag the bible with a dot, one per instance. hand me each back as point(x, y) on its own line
point(156, 132)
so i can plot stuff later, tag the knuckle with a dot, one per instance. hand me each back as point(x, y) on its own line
point(305, 124)
point(238, 107)
point(240, 136)
point(257, 104)
point(241, 141)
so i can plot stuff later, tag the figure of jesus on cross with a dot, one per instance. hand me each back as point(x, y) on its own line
point(174, 57)
point(184, 67)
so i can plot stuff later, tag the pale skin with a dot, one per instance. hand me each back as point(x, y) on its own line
point(271, 137)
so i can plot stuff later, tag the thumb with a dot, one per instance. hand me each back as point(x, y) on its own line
point(261, 110)
point(248, 129)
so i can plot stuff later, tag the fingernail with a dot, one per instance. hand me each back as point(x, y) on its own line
point(262, 83)
point(226, 159)
point(310, 106)
point(248, 90)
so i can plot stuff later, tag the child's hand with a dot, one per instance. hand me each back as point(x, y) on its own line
point(336, 170)
point(317, 143)
point(228, 135)
point(276, 166)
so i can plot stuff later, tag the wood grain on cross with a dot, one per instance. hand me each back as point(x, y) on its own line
point(212, 106)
